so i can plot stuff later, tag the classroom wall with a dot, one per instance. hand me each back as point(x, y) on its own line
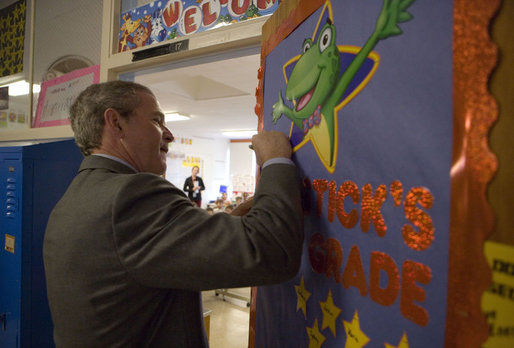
point(211, 155)
point(66, 28)
point(221, 162)
point(62, 28)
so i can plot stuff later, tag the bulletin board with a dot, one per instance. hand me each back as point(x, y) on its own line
point(12, 27)
point(387, 109)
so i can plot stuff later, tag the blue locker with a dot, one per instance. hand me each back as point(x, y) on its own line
point(32, 179)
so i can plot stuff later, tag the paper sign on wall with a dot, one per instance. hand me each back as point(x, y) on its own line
point(58, 94)
point(498, 301)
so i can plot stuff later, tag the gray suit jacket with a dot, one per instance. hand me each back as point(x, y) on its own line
point(126, 254)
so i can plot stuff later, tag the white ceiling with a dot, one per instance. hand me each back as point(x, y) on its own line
point(218, 94)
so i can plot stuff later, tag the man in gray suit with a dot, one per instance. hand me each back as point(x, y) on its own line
point(126, 253)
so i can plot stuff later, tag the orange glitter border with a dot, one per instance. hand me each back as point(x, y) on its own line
point(473, 164)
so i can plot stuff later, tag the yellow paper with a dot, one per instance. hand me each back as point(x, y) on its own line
point(9, 243)
point(498, 300)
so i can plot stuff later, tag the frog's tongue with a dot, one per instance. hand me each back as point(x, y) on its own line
point(304, 100)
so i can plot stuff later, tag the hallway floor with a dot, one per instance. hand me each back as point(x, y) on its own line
point(229, 319)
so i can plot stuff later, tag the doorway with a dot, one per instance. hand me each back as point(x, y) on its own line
point(216, 93)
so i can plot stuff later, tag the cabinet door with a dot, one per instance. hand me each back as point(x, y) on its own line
point(10, 253)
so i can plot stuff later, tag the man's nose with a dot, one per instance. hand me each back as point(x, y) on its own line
point(167, 135)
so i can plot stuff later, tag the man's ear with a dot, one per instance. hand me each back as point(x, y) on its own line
point(112, 120)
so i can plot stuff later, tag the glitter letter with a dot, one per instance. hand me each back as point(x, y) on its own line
point(334, 254)
point(348, 188)
point(412, 272)
point(418, 240)
point(370, 209)
point(383, 262)
point(353, 272)
point(320, 186)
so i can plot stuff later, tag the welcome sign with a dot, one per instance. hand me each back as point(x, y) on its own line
point(165, 20)
point(365, 91)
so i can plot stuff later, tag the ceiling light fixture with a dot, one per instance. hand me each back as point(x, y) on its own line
point(21, 88)
point(175, 116)
point(243, 133)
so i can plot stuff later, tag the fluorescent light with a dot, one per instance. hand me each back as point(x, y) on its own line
point(22, 88)
point(243, 133)
point(175, 116)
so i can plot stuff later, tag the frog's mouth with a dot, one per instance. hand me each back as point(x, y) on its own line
point(306, 98)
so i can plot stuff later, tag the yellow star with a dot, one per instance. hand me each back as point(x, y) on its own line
point(404, 343)
point(355, 338)
point(330, 313)
point(302, 295)
point(316, 339)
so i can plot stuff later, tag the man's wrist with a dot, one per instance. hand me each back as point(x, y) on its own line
point(277, 160)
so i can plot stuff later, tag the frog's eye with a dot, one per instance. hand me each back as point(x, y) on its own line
point(325, 39)
point(306, 45)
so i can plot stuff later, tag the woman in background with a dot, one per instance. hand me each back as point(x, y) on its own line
point(193, 186)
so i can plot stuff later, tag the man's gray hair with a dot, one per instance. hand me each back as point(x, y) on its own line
point(87, 111)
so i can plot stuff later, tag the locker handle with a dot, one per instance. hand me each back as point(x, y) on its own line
point(2, 321)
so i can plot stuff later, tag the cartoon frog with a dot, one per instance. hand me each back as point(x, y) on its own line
point(316, 87)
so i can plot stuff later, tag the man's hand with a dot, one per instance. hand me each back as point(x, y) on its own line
point(271, 144)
